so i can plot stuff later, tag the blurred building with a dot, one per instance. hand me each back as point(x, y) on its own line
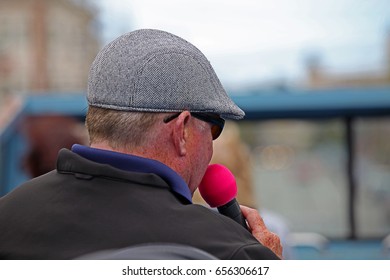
point(46, 45)
point(319, 77)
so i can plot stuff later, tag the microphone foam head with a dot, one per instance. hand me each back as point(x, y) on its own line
point(218, 185)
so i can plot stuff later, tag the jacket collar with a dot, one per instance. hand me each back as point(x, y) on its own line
point(136, 164)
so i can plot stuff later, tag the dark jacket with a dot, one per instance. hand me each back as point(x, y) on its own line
point(83, 207)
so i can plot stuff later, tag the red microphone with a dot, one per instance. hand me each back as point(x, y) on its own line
point(219, 189)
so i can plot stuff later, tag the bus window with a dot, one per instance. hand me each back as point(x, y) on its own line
point(299, 172)
point(373, 177)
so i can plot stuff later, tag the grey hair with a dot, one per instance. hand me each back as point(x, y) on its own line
point(120, 129)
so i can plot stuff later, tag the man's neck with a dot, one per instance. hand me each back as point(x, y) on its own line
point(162, 155)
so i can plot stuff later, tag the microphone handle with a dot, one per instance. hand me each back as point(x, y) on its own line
point(232, 210)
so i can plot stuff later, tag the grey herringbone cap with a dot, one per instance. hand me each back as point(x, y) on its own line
point(155, 71)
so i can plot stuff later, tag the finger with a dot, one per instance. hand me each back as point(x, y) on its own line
point(253, 218)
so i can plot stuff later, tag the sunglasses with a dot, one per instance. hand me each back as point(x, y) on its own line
point(217, 122)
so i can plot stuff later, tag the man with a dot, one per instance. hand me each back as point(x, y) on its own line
point(155, 106)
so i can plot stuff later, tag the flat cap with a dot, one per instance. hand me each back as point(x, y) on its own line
point(150, 70)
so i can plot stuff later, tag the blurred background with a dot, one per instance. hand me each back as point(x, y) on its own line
point(313, 153)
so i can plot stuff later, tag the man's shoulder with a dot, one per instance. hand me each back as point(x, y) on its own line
point(30, 188)
point(227, 238)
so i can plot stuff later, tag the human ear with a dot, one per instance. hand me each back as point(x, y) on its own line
point(180, 133)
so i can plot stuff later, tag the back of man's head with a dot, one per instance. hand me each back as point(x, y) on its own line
point(151, 71)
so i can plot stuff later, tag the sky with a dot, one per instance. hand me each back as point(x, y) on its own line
point(264, 41)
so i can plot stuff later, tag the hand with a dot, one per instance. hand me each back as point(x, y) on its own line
point(261, 232)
